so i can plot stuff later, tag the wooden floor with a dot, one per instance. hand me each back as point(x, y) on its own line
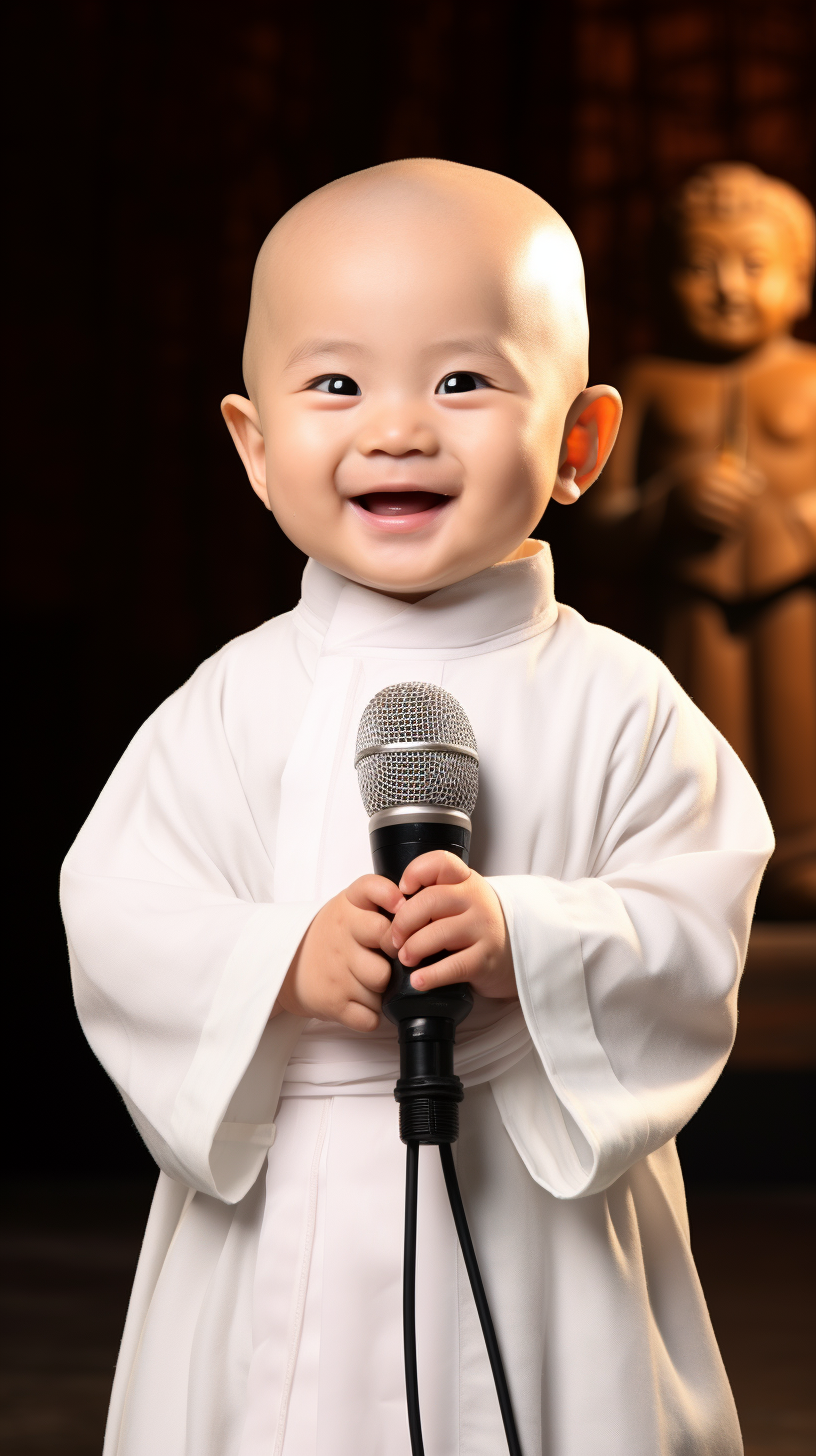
point(68, 1256)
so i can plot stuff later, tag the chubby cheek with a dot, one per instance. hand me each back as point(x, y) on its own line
point(700, 305)
point(774, 297)
point(697, 296)
point(301, 460)
point(512, 466)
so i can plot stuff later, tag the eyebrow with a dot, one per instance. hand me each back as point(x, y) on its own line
point(317, 348)
point(481, 344)
point(314, 348)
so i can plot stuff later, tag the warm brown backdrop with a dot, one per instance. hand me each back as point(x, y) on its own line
point(153, 146)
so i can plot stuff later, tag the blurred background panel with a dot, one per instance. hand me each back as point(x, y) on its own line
point(659, 90)
point(151, 148)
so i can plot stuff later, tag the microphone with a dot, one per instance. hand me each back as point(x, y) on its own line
point(418, 770)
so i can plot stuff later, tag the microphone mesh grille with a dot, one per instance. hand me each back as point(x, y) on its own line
point(409, 713)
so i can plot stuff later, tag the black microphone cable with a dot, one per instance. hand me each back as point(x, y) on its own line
point(417, 765)
point(409, 1298)
point(479, 1296)
point(482, 1306)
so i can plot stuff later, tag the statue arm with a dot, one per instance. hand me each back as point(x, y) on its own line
point(802, 509)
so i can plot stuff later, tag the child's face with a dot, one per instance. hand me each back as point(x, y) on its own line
point(739, 283)
point(412, 419)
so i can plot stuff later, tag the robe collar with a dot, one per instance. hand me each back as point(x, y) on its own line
point(493, 609)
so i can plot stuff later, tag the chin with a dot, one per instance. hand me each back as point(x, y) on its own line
point(402, 567)
point(737, 338)
point(405, 578)
point(399, 585)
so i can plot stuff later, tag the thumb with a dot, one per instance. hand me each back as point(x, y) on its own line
point(438, 867)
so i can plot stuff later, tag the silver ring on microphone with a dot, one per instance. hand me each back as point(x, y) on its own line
point(415, 747)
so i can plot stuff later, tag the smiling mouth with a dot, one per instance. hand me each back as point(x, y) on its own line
point(400, 510)
point(401, 502)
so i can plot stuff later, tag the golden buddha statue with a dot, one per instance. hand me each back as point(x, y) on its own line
point(714, 478)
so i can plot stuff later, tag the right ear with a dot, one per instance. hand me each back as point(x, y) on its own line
point(243, 423)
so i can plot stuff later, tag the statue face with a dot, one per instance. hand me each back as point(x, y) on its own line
point(739, 282)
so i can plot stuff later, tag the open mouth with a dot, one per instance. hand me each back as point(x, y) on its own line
point(397, 510)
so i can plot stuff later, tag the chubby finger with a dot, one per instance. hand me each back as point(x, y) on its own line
point(438, 867)
point(728, 500)
point(354, 989)
point(387, 945)
point(461, 966)
point(374, 892)
point(372, 970)
point(358, 1017)
point(435, 902)
point(368, 927)
point(453, 934)
point(741, 477)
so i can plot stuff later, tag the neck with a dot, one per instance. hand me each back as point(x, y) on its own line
point(699, 353)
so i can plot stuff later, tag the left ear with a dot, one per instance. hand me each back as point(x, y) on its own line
point(589, 434)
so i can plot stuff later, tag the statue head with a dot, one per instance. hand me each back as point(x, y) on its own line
point(745, 246)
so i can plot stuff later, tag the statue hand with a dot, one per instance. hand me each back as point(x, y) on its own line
point(720, 494)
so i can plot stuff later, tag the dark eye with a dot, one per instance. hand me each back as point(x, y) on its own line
point(336, 384)
point(461, 383)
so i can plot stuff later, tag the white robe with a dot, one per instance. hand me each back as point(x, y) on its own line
point(626, 843)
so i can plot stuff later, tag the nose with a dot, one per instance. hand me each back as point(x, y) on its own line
point(730, 279)
point(397, 429)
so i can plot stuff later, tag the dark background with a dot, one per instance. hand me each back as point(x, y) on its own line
point(152, 146)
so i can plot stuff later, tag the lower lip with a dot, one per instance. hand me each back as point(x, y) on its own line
point(402, 522)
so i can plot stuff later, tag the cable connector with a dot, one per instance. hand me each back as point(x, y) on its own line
point(428, 1090)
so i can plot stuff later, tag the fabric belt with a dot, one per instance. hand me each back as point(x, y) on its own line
point(336, 1066)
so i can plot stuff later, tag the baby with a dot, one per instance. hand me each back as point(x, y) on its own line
point(416, 358)
point(416, 369)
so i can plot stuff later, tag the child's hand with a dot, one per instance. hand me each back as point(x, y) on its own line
point(459, 912)
point(338, 972)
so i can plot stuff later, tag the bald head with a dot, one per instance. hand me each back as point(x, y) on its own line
point(416, 358)
point(425, 223)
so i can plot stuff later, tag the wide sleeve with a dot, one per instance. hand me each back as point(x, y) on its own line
point(628, 974)
point(177, 953)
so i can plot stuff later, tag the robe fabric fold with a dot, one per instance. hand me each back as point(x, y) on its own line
point(625, 842)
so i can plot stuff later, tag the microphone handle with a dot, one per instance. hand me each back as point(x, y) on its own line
point(428, 1090)
point(395, 845)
